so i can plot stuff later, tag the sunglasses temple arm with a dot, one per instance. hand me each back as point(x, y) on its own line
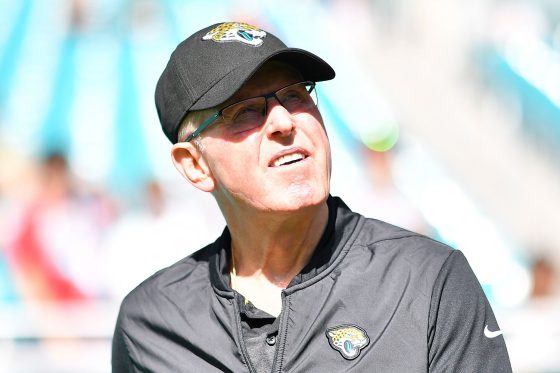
point(203, 126)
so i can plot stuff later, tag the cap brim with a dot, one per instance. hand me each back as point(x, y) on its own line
point(309, 65)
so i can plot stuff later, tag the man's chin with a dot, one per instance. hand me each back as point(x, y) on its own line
point(297, 200)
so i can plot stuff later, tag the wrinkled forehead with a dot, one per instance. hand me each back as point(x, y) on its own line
point(270, 77)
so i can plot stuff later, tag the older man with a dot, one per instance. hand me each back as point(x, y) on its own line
point(297, 282)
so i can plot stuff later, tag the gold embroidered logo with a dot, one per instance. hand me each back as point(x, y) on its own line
point(236, 31)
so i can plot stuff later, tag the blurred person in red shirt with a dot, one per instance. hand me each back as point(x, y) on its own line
point(53, 247)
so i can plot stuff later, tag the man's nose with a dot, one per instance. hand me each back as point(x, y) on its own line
point(279, 121)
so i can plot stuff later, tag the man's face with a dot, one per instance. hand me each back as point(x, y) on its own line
point(253, 169)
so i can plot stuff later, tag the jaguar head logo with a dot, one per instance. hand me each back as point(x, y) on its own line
point(236, 31)
point(349, 340)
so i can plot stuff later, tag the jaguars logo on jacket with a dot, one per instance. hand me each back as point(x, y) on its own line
point(349, 340)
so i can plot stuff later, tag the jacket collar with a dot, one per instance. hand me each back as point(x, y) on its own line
point(340, 226)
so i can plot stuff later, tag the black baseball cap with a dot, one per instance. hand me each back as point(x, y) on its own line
point(208, 67)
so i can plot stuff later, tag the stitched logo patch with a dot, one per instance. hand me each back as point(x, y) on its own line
point(236, 31)
point(347, 339)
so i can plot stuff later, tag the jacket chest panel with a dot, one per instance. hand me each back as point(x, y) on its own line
point(393, 318)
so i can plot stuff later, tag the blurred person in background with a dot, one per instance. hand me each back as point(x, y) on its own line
point(545, 279)
point(129, 242)
point(533, 328)
point(53, 244)
point(297, 281)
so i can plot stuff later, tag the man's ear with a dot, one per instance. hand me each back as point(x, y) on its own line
point(188, 160)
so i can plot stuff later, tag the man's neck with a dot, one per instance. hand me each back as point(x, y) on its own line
point(269, 250)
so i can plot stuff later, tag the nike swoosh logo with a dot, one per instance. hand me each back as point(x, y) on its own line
point(491, 334)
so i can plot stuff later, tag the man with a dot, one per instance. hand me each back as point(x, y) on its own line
point(296, 282)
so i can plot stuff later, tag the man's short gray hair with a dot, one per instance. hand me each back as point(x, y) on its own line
point(191, 123)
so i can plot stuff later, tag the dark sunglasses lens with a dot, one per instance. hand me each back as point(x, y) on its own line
point(298, 97)
point(245, 115)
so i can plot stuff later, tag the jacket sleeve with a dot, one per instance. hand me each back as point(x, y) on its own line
point(459, 315)
point(121, 361)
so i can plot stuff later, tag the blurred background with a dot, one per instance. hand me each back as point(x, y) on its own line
point(444, 118)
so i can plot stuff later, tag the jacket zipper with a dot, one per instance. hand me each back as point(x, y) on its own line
point(244, 352)
point(282, 332)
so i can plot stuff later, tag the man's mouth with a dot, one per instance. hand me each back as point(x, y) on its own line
point(288, 159)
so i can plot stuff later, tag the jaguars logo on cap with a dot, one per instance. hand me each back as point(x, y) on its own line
point(349, 340)
point(236, 31)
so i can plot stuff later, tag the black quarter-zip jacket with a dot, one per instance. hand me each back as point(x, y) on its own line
point(373, 298)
